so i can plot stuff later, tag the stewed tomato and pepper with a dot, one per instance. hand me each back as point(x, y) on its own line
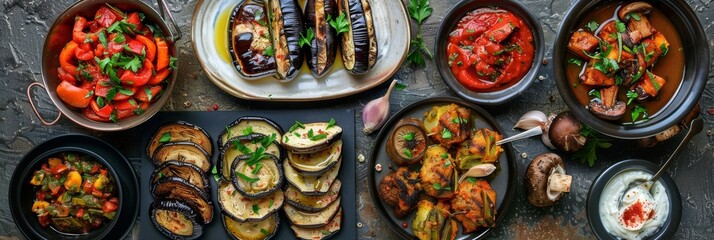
point(116, 64)
point(490, 49)
point(74, 193)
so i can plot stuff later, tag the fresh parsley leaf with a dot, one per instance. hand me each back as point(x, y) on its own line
point(306, 39)
point(340, 24)
point(471, 179)
point(318, 137)
point(256, 208)
point(444, 155)
point(419, 10)
point(100, 102)
point(595, 93)
point(408, 137)
point(119, 38)
point(248, 130)
point(446, 134)
point(408, 152)
point(447, 163)
point(269, 51)
point(652, 79)
point(126, 92)
point(214, 172)
point(165, 137)
point(102, 38)
point(246, 178)
point(638, 111)
point(89, 94)
point(592, 25)
point(589, 152)
point(172, 62)
point(576, 62)
point(134, 64)
point(635, 16)
point(664, 49)
point(113, 116)
point(257, 168)
point(620, 26)
point(631, 95)
point(331, 123)
point(436, 186)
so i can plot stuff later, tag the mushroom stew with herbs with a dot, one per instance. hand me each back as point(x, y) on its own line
point(625, 61)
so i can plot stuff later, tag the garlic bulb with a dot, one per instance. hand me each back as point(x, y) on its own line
point(376, 111)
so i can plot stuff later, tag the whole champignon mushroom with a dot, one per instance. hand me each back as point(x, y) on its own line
point(546, 180)
point(635, 7)
point(564, 132)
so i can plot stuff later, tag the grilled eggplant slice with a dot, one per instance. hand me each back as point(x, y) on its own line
point(175, 188)
point(184, 170)
point(257, 176)
point(183, 152)
point(180, 132)
point(323, 47)
point(245, 145)
point(359, 44)
point(251, 47)
point(264, 229)
point(311, 219)
point(438, 177)
point(316, 164)
point(248, 125)
point(311, 186)
point(311, 137)
point(175, 220)
point(324, 232)
point(286, 26)
point(313, 203)
point(244, 209)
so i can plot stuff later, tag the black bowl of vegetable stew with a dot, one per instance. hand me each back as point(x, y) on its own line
point(91, 158)
point(683, 63)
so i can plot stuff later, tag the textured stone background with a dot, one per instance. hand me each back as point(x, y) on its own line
point(24, 23)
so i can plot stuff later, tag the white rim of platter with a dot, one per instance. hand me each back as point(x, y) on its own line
point(391, 24)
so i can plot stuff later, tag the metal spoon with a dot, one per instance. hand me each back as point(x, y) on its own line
point(531, 132)
point(695, 127)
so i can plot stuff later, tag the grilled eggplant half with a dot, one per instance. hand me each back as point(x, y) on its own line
point(183, 152)
point(256, 177)
point(316, 164)
point(264, 229)
point(313, 203)
point(286, 26)
point(324, 232)
point(251, 45)
point(311, 186)
point(184, 170)
point(311, 219)
point(180, 132)
point(248, 125)
point(359, 44)
point(175, 219)
point(311, 137)
point(245, 145)
point(175, 188)
point(322, 49)
point(244, 209)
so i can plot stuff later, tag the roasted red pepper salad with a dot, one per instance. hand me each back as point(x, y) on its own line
point(75, 193)
point(490, 49)
point(116, 65)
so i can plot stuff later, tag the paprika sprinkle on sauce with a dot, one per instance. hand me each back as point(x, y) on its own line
point(490, 49)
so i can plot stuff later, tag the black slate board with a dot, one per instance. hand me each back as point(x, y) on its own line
point(214, 123)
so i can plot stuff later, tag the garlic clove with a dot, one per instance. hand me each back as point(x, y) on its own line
point(375, 113)
point(481, 170)
point(531, 119)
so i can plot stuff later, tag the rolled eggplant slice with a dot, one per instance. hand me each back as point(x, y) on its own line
point(180, 132)
point(286, 26)
point(313, 203)
point(175, 220)
point(316, 164)
point(184, 170)
point(311, 137)
point(262, 230)
point(251, 47)
point(323, 47)
point(255, 178)
point(311, 219)
point(359, 44)
point(175, 188)
point(244, 209)
point(245, 145)
point(249, 125)
point(183, 152)
point(324, 232)
point(311, 186)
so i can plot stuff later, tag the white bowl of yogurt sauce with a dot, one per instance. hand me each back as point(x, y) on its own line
point(660, 213)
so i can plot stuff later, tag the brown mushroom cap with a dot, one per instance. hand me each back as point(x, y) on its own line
point(536, 181)
point(635, 7)
point(564, 132)
point(608, 113)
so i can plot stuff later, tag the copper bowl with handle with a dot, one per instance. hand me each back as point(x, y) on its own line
point(60, 33)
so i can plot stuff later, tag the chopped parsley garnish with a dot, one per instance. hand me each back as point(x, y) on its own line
point(592, 25)
point(165, 137)
point(446, 134)
point(331, 123)
point(576, 62)
point(408, 137)
point(246, 178)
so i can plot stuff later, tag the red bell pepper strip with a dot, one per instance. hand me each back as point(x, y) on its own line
point(66, 58)
point(162, 49)
point(139, 78)
point(150, 47)
point(73, 95)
